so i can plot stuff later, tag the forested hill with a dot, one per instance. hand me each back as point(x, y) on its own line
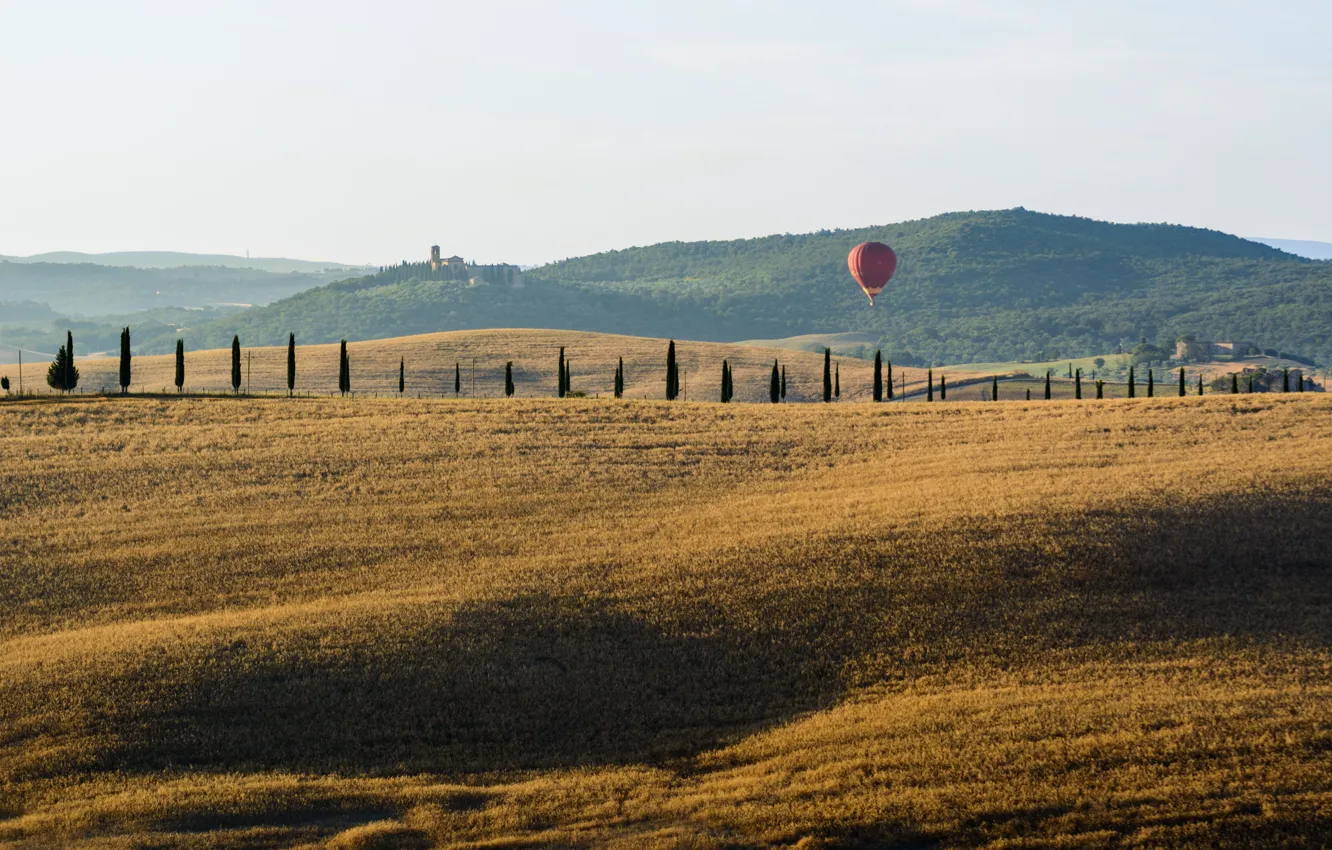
point(973, 286)
point(88, 289)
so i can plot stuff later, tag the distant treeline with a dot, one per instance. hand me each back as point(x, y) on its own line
point(494, 273)
point(971, 287)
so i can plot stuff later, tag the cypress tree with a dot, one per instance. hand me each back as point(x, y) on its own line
point(890, 380)
point(1132, 387)
point(1100, 388)
point(1028, 393)
point(457, 378)
point(878, 376)
point(180, 365)
point(837, 381)
point(236, 366)
point(402, 375)
point(1047, 383)
point(725, 372)
point(775, 385)
point(827, 374)
point(672, 373)
point(562, 388)
point(1181, 381)
point(508, 379)
point(71, 379)
point(1285, 380)
point(1200, 385)
point(1234, 383)
point(291, 365)
point(344, 370)
point(994, 388)
point(1251, 383)
point(943, 388)
point(1077, 385)
point(1151, 384)
point(783, 383)
point(62, 374)
point(929, 385)
point(124, 361)
point(619, 379)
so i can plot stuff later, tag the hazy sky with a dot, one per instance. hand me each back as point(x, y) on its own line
point(524, 132)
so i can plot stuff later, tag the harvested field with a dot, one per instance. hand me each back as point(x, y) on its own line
point(231, 622)
point(431, 358)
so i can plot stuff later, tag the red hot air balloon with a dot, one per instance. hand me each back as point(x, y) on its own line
point(872, 264)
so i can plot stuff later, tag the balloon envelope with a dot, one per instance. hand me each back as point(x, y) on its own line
point(872, 265)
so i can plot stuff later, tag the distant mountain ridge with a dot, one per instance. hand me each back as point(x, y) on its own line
point(177, 259)
point(1300, 247)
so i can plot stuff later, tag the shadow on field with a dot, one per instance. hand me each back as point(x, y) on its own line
point(530, 682)
point(676, 667)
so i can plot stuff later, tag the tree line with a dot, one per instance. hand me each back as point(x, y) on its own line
point(62, 375)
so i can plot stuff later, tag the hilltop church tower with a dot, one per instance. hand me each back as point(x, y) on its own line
point(434, 258)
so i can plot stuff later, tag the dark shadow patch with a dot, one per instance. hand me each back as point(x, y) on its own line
point(526, 683)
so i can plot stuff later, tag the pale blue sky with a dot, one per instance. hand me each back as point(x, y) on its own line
point(526, 131)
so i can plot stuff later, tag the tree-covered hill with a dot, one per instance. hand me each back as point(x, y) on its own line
point(89, 289)
point(40, 301)
point(179, 259)
point(973, 286)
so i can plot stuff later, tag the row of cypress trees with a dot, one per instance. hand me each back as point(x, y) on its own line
point(878, 377)
point(344, 370)
point(63, 375)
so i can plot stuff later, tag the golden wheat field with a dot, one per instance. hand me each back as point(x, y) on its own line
point(362, 623)
point(429, 362)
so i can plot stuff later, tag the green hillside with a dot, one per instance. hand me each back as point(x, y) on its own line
point(971, 287)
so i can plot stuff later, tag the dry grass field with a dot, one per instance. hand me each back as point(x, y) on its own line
point(430, 360)
point(362, 623)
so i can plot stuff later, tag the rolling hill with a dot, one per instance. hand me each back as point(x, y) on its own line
point(971, 287)
point(86, 289)
point(178, 259)
point(430, 361)
point(473, 623)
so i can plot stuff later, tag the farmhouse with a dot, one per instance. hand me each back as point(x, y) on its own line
point(1189, 348)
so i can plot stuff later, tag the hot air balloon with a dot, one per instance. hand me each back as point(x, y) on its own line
point(872, 264)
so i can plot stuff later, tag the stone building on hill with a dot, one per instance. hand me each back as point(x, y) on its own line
point(1189, 348)
point(436, 262)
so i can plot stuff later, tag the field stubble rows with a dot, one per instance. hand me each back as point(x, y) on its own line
point(383, 623)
